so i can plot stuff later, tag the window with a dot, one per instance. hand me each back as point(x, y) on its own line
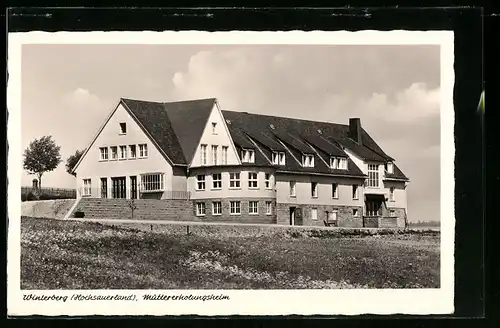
point(392, 213)
point(216, 208)
point(355, 212)
point(234, 208)
point(292, 188)
point(253, 207)
point(200, 209)
point(335, 190)
point(104, 187)
point(104, 153)
point(269, 208)
point(354, 192)
point(143, 150)
point(114, 152)
point(252, 180)
point(268, 180)
point(278, 158)
point(123, 152)
point(390, 168)
point(216, 181)
point(87, 190)
point(133, 151)
point(123, 128)
point(338, 163)
point(203, 152)
point(248, 156)
point(234, 180)
point(152, 182)
point(224, 155)
point(314, 189)
point(200, 182)
point(214, 155)
point(391, 194)
point(314, 214)
point(214, 128)
point(373, 175)
point(308, 160)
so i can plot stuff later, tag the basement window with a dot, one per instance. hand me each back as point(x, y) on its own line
point(123, 128)
point(200, 209)
point(152, 182)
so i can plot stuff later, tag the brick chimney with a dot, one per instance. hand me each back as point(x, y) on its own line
point(355, 129)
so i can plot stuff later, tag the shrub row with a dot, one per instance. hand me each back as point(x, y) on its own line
point(31, 196)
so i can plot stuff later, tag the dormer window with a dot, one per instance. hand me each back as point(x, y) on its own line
point(389, 167)
point(307, 160)
point(123, 128)
point(248, 156)
point(278, 158)
point(214, 128)
point(338, 163)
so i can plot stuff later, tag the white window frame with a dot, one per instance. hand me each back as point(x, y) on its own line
point(143, 150)
point(253, 207)
point(248, 155)
point(314, 214)
point(104, 153)
point(235, 207)
point(201, 182)
point(123, 130)
point(201, 209)
point(293, 186)
point(308, 160)
point(269, 207)
point(278, 158)
point(216, 208)
point(267, 182)
point(122, 152)
point(114, 151)
point(335, 190)
point(390, 168)
point(203, 154)
point(253, 180)
point(87, 188)
point(338, 163)
point(132, 151)
point(373, 176)
point(216, 181)
point(215, 149)
point(152, 182)
point(224, 155)
point(214, 127)
point(392, 194)
point(314, 189)
point(234, 180)
point(355, 191)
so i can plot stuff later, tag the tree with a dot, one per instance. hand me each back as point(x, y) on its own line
point(72, 160)
point(42, 155)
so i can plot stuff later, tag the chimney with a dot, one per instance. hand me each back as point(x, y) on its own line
point(355, 129)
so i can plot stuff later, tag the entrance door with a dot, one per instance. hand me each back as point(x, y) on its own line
point(374, 205)
point(133, 187)
point(119, 187)
point(292, 216)
point(104, 187)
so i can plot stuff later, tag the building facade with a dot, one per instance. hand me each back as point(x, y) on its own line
point(241, 167)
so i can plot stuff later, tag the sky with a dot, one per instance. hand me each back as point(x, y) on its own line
point(68, 91)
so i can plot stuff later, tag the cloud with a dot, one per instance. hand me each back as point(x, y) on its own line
point(82, 99)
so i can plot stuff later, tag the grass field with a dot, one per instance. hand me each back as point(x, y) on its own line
point(59, 254)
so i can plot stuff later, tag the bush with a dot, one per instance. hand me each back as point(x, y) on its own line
point(28, 197)
point(51, 197)
point(79, 214)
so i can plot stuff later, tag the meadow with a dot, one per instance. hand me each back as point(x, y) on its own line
point(58, 254)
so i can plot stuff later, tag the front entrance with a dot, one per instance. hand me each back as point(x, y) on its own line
point(375, 205)
point(133, 187)
point(119, 189)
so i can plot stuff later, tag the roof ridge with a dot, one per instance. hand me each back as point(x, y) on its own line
point(284, 117)
point(169, 102)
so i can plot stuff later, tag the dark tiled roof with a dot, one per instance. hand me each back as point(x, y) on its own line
point(154, 119)
point(398, 174)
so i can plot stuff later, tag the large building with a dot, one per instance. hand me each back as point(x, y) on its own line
point(242, 167)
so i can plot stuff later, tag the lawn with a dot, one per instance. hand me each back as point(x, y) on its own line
point(59, 254)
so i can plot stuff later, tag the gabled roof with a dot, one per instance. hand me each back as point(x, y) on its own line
point(175, 126)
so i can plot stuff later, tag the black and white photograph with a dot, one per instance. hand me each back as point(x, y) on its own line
point(310, 170)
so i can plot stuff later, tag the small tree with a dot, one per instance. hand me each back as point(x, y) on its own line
point(72, 160)
point(133, 207)
point(42, 155)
